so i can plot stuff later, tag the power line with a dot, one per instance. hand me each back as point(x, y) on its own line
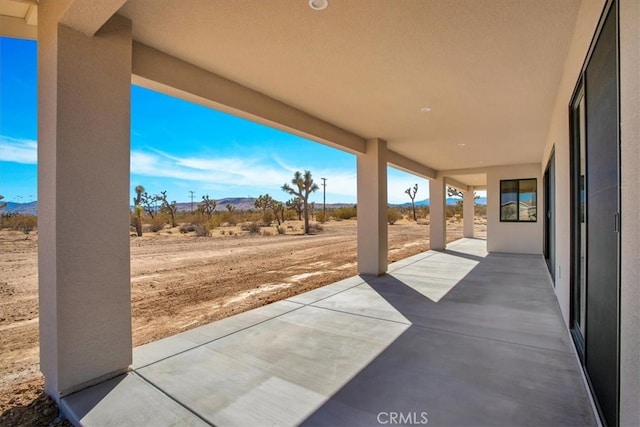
point(191, 193)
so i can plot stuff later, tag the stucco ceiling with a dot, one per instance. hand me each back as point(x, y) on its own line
point(488, 69)
point(21, 9)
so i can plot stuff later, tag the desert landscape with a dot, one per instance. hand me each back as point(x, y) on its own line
point(180, 281)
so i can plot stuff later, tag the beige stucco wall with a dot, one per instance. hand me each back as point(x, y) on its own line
point(558, 137)
point(515, 237)
point(630, 238)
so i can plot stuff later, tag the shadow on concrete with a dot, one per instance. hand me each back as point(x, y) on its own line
point(477, 357)
point(77, 405)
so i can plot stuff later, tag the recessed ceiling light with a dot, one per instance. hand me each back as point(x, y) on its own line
point(318, 4)
point(425, 109)
point(461, 145)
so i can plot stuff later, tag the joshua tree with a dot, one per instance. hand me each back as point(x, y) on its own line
point(264, 202)
point(278, 209)
point(305, 186)
point(207, 206)
point(170, 208)
point(148, 202)
point(457, 194)
point(296, 205)
point(138, 208)
point(412, 195)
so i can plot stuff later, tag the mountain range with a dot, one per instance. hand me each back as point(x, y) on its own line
point(239, 203)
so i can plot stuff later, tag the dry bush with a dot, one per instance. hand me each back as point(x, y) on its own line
point(321, 217)
point(393, 216)
point(202, 229)
point(156, 224)
point(20, 222)
point(251, 227)
point(187, 228)
point(422, 212)
point(282, 230)
point(314, 227)
point(267, 218)
point(345, 213)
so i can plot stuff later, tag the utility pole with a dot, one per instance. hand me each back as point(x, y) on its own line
point(324, 199)
point(191, 193)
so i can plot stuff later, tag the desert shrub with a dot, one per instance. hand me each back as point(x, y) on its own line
point(345, 213)
point(202, 229)
point(187, 228)
point(229, 218)
point(314, 227)
point(251, 227)
point(281, 229)
point(290, 215)
point(480, 210)
point(321, 217)
point(393, 216)
point(267, 218)
point(422, 211)
point(20, 222)
point(265, 232)
point(156, 224)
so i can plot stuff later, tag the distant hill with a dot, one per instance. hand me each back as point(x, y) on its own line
point(21, 208)
point(239, 203)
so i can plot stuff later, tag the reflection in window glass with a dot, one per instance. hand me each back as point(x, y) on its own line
point(518, 200)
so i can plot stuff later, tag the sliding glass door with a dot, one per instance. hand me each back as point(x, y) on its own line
point(595, 184)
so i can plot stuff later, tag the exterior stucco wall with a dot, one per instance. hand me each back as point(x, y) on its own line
point(630, 238)
point(558, 137)
point(515, 237)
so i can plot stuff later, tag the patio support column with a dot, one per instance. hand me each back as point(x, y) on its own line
point(372, 208)
point(437, 222)
point(468, 212)
point(84, 85)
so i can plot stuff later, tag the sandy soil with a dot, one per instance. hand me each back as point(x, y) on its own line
point(180, 281)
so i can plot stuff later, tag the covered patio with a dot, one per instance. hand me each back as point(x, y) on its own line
point(470, 94)
point(451, 337)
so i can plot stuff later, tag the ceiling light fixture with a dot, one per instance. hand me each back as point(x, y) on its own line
point(461, 145)
point(318, 4)
point(425, 109)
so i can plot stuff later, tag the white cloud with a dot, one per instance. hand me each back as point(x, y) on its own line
point(18, 150)
point(216, 170)
point(235, 172)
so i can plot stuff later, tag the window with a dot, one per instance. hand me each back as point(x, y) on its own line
point(518, 200)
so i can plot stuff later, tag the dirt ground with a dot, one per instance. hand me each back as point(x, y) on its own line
point(180, 281)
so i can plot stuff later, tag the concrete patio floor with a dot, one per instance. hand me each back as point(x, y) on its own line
point(453, 338)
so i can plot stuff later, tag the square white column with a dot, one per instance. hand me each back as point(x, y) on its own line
point(84, 86)
point(372, 209)
point(468, 212)
point(437, 220)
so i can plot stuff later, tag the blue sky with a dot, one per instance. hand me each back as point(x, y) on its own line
point(179, 147)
